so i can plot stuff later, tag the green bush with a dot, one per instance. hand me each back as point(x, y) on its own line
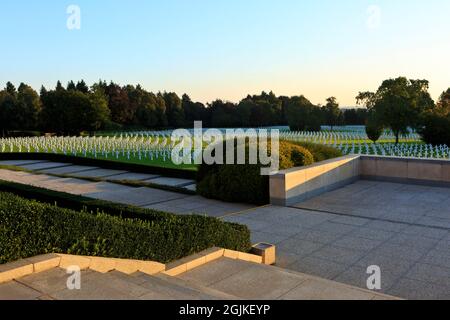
point(435, 129)
point(29, 228)
point(320, 152)
point(244, 182)
point(373, 131)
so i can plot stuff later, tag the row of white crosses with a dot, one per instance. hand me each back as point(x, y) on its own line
point(152, 147)
point(158, 145)
point(399, 150)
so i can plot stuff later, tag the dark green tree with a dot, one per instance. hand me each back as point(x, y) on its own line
point(27, 108)
point(398, 103)
point(331, 112)
point(303, 115)
point(82, 87)
point(174, 110)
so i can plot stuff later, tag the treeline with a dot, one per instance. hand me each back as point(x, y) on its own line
point(76, 107)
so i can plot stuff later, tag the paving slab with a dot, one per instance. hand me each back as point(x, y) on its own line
point(69, 169)
point(98, 173)
point(318, 267)
point(315, 289)
point(258, 281)
point(133, 176)
point(49, 281)
point(20, 162)
point(45, 165)
point(143, 196)
point(173, 182)
point(16, 291)
point(357, 276)
point(93, 287)
point(414, 290)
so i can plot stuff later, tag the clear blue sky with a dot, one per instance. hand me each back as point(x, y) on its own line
point(226, 49)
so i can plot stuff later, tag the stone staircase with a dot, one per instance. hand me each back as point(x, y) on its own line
point(221, 279)
point(113, 285)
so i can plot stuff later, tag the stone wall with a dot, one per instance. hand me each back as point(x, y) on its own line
point(294, 185)
point(402, 170)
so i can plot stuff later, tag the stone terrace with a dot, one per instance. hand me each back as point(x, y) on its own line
point(404, 229)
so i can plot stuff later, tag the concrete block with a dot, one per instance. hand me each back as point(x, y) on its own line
point(213, 254)
point(392, 168)
point(70, 260)
point(149, 267)
point(174, 270)
point(231, 254)
point(424, 170)
point(15, 270)
point(249, 257)
point(44, 262)
point(277, 186)
point(102, 265)
point(446, 172)
point(266, 251)
point(128, 266)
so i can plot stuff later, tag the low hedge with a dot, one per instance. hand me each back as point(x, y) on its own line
point(29, 228)
point(244, 182)
point(320, 152)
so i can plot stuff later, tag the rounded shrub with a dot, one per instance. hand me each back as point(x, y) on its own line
point(244, 182)
point(320, 152)
point(374, 129)
point(436, 129)
point(292, 155)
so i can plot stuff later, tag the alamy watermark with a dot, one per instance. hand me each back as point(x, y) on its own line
point(229, 146)
point(74, 17)
point(74, 280)
point(374, 17)
point(374, 280)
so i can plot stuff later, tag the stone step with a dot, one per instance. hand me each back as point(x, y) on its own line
point(252, 281)
point(162, 288)
point(196, 286)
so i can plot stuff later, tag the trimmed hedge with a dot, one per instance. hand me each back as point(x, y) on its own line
point(29, 228)
point(244, 182)
point(320, 152)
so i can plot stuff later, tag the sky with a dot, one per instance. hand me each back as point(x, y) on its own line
point(228, 48)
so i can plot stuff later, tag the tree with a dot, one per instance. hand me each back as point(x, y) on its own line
point(443, 105)
point(27, 108)
point(150, 111)
point(374, 129)
point(193, 111)
point(8, 101)
point(174, 110)
point(435, 122)
point(331, 112)
point(82, 87)
point(222, 114)
point(260, 110)
point(71, 85)
point(303, 115)
point(119, 104)
point(398, 103)
point(435, 129)
point(98, 114)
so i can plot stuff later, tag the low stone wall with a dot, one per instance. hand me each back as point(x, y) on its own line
point(406, 170)
point(294, 185)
